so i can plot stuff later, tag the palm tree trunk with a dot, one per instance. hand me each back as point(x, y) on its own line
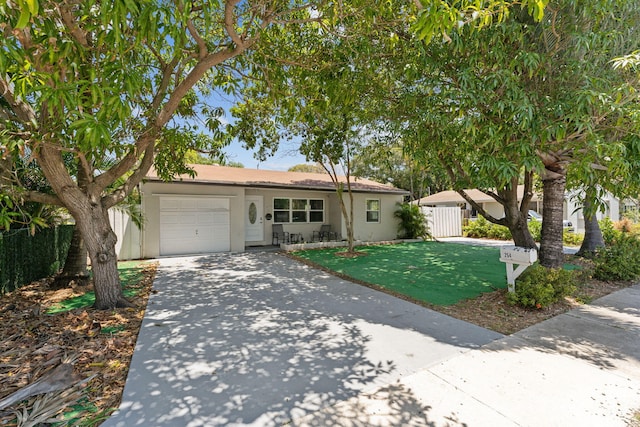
point(593, 238)
point(551, 255)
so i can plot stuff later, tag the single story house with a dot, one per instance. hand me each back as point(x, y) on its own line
point(572, 208)
point(226, 209)
point(451, 198)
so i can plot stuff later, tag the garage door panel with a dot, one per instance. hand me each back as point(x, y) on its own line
point(179, 232)
point(194, 225)
point(205, 219)
point(177, 219)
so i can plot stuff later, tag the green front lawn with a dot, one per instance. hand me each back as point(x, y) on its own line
point(431, 272)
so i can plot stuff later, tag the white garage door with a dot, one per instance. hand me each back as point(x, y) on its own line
point(193, 225)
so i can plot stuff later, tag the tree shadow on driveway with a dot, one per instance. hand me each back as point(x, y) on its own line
point(258, 339)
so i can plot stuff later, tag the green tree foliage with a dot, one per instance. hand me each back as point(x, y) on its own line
point(384, 161)
point(522, 96)
point(336, 99)
point(94, 79)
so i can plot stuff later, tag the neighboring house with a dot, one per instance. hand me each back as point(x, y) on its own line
point(572, 210)
point(227, 209)
point(451, 198)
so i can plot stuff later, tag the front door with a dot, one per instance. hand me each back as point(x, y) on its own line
point(253, 219)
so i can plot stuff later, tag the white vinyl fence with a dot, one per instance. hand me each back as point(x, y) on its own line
point(443, 222)
point(128, 244)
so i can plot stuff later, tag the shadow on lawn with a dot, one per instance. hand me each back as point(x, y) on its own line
point(260, 339)
point(432, 272)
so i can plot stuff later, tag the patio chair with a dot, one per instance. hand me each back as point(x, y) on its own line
point(278, 234)
point(324, 232)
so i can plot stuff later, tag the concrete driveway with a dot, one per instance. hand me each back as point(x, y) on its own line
point(258, 339)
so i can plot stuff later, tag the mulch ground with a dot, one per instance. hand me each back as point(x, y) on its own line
point(100, 343)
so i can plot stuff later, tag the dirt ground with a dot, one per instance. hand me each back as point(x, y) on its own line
point(100, 343)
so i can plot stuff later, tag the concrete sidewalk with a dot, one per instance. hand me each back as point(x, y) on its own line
point(258, 339)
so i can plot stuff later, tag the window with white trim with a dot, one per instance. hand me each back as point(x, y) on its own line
point(373, 210)
point(290, 210)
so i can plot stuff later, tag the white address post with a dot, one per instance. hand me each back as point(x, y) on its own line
point(522, 257)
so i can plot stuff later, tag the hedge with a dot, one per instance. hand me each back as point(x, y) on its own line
point(25, 258)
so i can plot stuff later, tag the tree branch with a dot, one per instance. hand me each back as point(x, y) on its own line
point(128, 161)
point(22, 110)
point(121, 193)
point(202, 46)
point(68, 20)
point(230, 21)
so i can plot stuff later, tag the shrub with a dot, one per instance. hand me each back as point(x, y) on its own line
point(539, 287)
point(481, 228)
point(619, 260)
point(572, 239)
point(478, 228)
point(624, 225)
point(535, 228)
point(413, 224)
point(609, 233)
point(499, 232)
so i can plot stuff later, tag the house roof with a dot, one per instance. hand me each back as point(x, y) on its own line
point(224, 175)
point(451, 196)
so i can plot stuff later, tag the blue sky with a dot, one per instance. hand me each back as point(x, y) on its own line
point(286, 156)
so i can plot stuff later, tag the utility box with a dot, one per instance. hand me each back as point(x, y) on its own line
point(516, 255)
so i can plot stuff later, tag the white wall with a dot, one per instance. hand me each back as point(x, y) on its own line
point(151, 193)
point(385, 229)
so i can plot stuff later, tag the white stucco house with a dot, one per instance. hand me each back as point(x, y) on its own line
point(572, 209)
point(225, 209)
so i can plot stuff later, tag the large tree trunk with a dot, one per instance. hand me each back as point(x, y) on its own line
point(593, 238)
point(92, 220)
point(551, 255)
point(75, 266)
point(100, 241)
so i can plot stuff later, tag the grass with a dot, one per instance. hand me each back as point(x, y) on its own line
point(130, 273)
point(432, 272)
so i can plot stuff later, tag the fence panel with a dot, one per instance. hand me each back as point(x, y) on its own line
point(443, 221)
point(129, 235)
point(25, 258)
